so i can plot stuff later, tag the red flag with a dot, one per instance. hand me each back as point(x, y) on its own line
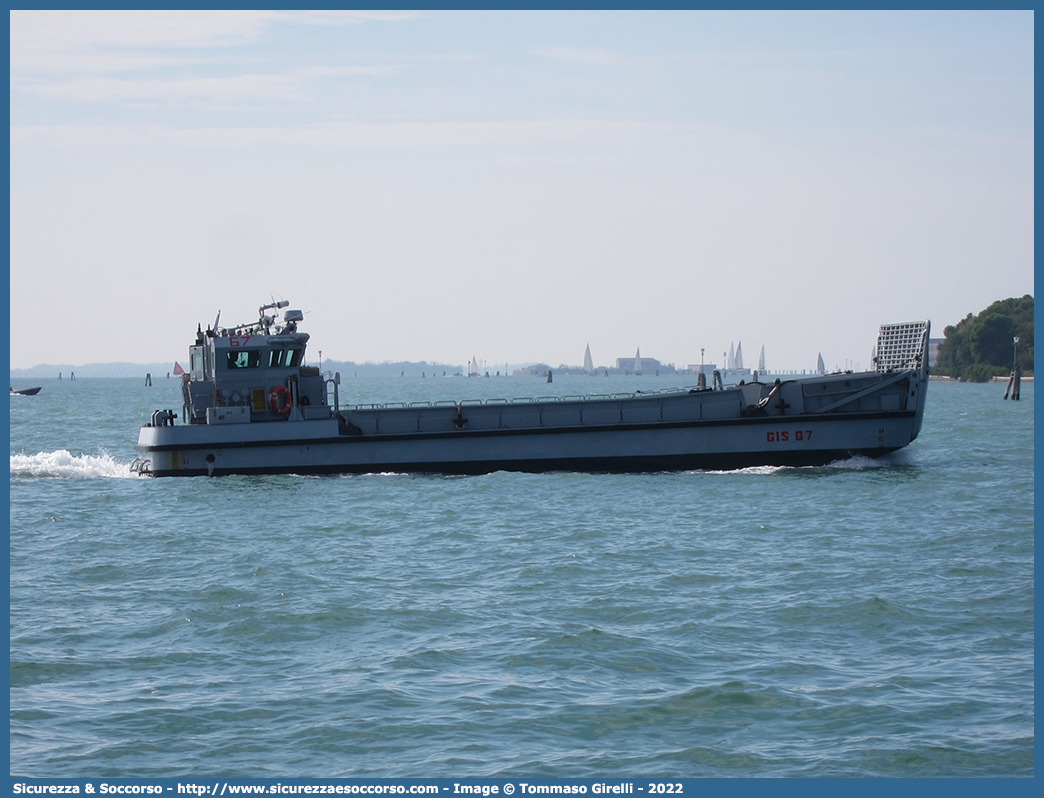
point(178, 369)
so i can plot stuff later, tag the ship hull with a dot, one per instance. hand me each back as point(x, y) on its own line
point(315, 447)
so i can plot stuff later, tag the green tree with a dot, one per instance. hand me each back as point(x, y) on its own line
point(980, 347)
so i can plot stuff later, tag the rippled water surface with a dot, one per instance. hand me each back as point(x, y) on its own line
point(863, 618)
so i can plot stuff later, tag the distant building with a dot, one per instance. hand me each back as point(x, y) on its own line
point(708, 368)
point(933, 350)
point(643, 364)
point(536, 370)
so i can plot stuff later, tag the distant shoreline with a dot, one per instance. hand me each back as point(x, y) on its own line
point(350, 369)
point(944, 378)
point(139, 374)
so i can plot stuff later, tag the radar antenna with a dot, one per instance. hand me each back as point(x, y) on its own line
point(268, 321)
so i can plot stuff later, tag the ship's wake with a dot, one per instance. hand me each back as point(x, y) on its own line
point(65, 465)
point(854, 463)
point(861, 463)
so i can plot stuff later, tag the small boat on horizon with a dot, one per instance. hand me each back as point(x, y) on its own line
point(27, 391)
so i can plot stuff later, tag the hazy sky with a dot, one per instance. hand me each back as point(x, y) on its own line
point(516, 185)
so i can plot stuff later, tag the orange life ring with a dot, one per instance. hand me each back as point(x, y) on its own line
point(280, 401)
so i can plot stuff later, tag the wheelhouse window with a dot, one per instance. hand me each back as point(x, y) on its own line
point(284, 358)
point(244, 359)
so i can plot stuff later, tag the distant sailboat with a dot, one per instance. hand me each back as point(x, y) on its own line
point(761, 361)
point(473, 367)
point(588, 362)
point(739, 356)
point(730, 364)
point(820, 366)
point(178, 370)
point(638, 360)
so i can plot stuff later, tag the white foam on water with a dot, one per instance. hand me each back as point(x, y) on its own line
point(748, 470)
point(64, 465)
point(856, 463)
point(859, 463)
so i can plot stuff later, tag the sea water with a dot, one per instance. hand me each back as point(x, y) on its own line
point(865, 618)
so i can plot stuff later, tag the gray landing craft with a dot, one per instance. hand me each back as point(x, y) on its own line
point(252, 407)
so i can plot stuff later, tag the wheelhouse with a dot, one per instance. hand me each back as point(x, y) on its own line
point(252, 372)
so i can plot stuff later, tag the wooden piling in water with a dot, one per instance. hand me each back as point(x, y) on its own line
point(1014, 384)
